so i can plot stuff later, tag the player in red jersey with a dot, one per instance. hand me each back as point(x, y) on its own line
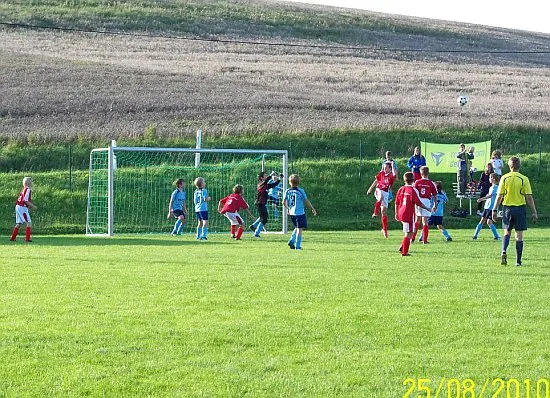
point(428, 195)
point(405, 200)
point(383, 182)
point(22, 206)
point(230, 206)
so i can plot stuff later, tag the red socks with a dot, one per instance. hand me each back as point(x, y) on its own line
point(377, 208)
point(14, 233)
point(405, 245)
point(233, 229)
point(425, 230)
point(239, 232)
point(385, 223)
point(416, 226)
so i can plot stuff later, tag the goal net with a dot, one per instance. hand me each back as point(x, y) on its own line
point(129, 188)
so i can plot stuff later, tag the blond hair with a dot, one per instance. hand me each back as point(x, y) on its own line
point(294, 180)
point(199, 182)
point(238, 189)
point(424, 171)
point(27, 181)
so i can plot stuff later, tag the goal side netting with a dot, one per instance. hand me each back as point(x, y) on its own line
point(129, 188)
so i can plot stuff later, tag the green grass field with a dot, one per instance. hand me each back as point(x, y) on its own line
point(348, 316)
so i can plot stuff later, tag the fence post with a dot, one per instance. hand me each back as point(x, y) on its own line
point(70, 168)
point(540, 155)
point(360, 158)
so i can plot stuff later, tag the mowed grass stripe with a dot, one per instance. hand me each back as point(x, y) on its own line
point(347, 316)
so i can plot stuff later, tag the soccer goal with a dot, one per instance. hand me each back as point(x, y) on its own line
point(129, 187)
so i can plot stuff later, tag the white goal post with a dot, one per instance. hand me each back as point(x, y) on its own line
point(129, 187)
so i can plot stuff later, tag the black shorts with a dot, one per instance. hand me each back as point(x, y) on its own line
point(178, 213)
point(488, 214)
point(514, 217)
point(435, 220)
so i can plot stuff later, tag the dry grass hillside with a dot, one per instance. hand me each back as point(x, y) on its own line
point(251, 75)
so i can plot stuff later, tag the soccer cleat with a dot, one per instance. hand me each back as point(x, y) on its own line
point(498, 238)
point(204, 238)
point(237, 238)
point(256, 236)
point(291, 245)
point(474, 237)
point(374, 215)
point(400, 249)
point(405, 255)
point(298, 248)
point(12, 240)
point(425, 242)
point(233, 236)
point(518, 264)
point(28, 240)
point(503, 259)
point(449, 239)
point(385, 233)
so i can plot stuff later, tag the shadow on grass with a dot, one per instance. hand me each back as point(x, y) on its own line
point(113, 241)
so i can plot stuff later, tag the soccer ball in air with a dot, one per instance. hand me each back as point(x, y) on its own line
point(462, 100)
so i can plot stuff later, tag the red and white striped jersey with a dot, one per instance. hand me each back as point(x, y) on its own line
point(24, 197)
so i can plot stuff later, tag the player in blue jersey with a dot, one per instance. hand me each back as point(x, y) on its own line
point(274, 198)
point(295, 200)
point(437, 216)
point(490, 200)
point(177, 207)
point(201, 199)
point(416, 161)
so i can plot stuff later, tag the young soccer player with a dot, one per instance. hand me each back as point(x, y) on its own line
point(484, 185)
point(416, 161)
point(22, 215)
point(394, 163)
point(437, 216)
point(261, 200)
point(274, 198)
point(405, 200)
point(497, 162)
point(230, 206)
point(201, 199)
point(383, 182)
point(177, 207)
point(428, 193)
point(490, 200)
point(294, 200)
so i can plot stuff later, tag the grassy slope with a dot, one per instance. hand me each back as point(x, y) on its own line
point(64, 85)
point(61, 198)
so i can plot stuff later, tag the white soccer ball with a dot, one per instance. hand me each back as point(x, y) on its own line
point(462, 100)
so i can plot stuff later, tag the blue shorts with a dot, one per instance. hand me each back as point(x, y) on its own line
point(514, 217)
point(299, 221)
point(273, 200)
point(177, 213)
point(202, 215)
point(435, 220)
